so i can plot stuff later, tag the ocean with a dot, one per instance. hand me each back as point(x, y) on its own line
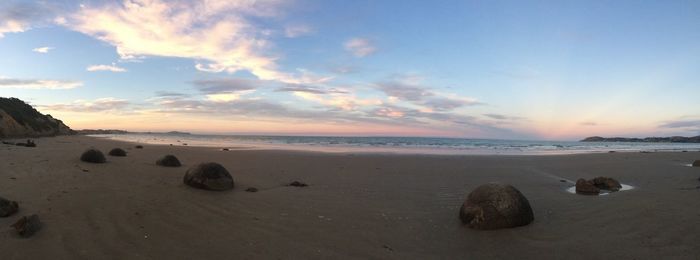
point(404, 145)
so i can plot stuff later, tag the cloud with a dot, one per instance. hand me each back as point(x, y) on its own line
point(687, 123)
point(219, 35)
point(588, 123)
point(297, 30)
point(404, 91)
point(423, 96)
point(164, 93)
point(20, 16)
point(226, 85)
point(502, 117)
point(98, 105)
point(309, 89)
point(360, 47)
point(112, 68)
point(42, 49)
point(38, 83)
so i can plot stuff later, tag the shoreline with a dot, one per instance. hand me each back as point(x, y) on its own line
point(357, 205)
point(370, 149)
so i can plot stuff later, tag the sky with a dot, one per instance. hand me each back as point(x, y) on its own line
point(552, 70)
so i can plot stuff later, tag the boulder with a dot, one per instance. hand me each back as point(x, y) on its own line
point(168, 161)
point(7, 207)
point(209, 176)
point(117, 152)
point(27, 226)
point(696, 163)
point(496, 206)
point(586, 187)
point(93, 156)
point(607, 183)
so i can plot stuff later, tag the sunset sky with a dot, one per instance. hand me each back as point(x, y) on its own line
point(558, 70)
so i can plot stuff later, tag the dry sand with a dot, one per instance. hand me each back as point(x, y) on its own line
point(357, 205)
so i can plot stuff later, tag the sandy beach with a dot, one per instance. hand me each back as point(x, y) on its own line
point(357, 206)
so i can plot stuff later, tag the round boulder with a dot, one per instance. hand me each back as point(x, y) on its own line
point(607, 183)
point(93, 156)
point(586, 187)
point(209, 176)
point(7, 207)
point(495, 206)
point(168, 161)
point(117, 152)
point(696, 163)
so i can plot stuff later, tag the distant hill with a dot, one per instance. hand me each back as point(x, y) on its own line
point(672, 139)
point(19, 119)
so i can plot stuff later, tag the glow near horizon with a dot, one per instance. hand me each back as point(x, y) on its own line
point(511, 70)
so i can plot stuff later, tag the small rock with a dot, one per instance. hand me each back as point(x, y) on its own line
point(139, 147)
point(297, 184)
point(696, 163)
point(27, 226)
point(209, 176)
point(117, 152)
point(562, 180)
point(586, 187)
point(169, 161)
point(252, 189)
point(225, 149)
point(496, 206)
point(93, 156)
point(7, 207)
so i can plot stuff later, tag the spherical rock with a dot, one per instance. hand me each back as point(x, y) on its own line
point(495, 206)
point(7, 207)
point(27, 225)
point(168, 161)
point(117, 152)
point(209, 176)
point(93, 156)
point(607, 183)
point(586, 187)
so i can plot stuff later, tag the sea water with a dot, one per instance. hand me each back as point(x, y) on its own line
point(417, 145)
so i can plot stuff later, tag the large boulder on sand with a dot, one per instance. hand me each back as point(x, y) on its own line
point(209, 176)
point(607, 183)
point(495, 206)
point(93, 156)
point(586, 187)
point(696, 163)
point(117, 152)
point(168, 161)
point(7, 207)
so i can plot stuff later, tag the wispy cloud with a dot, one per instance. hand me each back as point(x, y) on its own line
point(297, 30)
point(401, 90)
point(224, 85)
point(38, 83)
point(309, 89)
point(217, 34)
point(112, 68)
point(20, 16)
point(42, 49)
point(360, 47)
point(98, 105)
point(683, 123)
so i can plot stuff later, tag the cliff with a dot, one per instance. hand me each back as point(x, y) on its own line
point(672, 139)
point(18, 119)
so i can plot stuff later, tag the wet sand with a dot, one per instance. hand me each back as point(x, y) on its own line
point(377, 206)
